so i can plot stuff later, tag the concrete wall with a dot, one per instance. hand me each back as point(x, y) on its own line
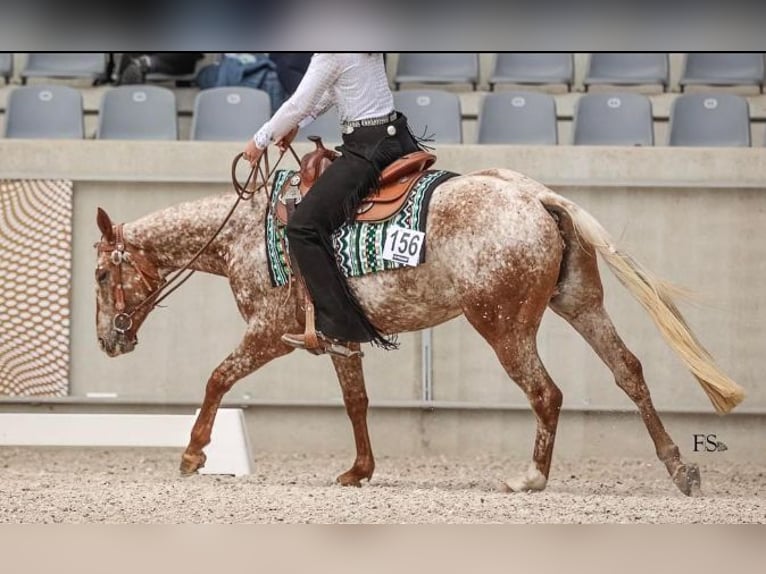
point(694, 216)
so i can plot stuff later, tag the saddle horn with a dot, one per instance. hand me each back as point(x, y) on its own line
point(315, 162)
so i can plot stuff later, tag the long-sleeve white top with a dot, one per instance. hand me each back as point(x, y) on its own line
point(356, 83)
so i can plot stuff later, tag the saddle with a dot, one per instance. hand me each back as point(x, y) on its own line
point(395, 183)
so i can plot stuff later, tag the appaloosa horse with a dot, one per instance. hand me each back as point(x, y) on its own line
point(499, 265)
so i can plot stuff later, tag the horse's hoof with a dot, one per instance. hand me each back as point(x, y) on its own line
point(687, 479)
point(532, 480)
point(353, 478)
point(191, 463)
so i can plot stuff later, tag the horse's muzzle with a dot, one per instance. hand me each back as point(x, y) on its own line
point(118, 346)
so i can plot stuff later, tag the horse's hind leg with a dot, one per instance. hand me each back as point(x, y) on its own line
point(580, 302)
point(511, 328)
point(351, 378)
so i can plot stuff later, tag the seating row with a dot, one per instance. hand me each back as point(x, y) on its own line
point(632, 68)
point(92, 66)
point(521, 68)
point(511, 117)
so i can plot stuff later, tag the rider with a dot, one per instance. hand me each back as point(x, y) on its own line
point(374, 135)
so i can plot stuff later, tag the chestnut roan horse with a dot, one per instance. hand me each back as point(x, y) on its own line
point(500, 264)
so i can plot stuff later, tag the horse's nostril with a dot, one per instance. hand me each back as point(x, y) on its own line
point(104, 345)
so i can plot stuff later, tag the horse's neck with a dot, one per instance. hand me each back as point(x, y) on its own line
point(172, 236)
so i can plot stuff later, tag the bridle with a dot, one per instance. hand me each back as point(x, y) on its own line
point(120, 254)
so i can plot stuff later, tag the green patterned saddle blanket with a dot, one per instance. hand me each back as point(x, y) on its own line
point(360, 247)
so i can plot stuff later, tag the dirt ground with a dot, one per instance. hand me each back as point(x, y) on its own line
point(97, 485)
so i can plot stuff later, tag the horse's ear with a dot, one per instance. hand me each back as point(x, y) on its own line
point(105, 225)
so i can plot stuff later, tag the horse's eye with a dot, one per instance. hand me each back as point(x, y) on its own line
point(102, 275)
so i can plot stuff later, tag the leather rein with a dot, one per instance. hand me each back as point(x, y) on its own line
point(123, 320)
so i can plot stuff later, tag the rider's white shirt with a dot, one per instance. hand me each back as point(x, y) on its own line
point(355, 83)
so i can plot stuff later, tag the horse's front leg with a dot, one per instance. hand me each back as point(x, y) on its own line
point(351, 378)
point(255, 350)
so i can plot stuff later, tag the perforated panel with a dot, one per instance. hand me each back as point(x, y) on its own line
point(35, 272)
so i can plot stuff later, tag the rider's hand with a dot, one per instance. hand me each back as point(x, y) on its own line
point(286, 140)
point(252, 153)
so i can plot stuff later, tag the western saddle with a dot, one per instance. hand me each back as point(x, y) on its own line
point(396, 181)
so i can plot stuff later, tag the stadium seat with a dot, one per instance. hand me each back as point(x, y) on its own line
point(723, 69)
point(518, 118)
point(6, 66)
point(627, 69)
point(65, 65)
point(432, 114)
point(437, 67)
point(709, 120)
point(326, 126)
point(138, 112)
point(620, 119)
point(532, 68)
point(229, 113)
point(44, 112)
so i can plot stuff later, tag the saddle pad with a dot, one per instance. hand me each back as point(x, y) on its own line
point(358, 246)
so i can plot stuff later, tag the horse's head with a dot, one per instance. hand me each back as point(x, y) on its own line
point(126, 288)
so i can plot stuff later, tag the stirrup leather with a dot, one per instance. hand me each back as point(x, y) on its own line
point(310, 337)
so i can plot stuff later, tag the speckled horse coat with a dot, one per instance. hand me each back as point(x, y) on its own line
point(500, 265)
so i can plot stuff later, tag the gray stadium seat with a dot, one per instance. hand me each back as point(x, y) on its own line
point(326, 126)
point(518, 118)
point(436, 67)
point(44, 112)
point(6, 66)
point(709, 120)
point(627, 68)
point(432, 114)
point(229, 113)
point(138, 112)
point(723, 69)
point(622, 119)
point(65, 65)
point(532, 68)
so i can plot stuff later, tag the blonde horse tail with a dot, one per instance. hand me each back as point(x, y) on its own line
point(656, 296)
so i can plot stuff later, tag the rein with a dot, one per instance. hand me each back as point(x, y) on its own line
point(123, 321)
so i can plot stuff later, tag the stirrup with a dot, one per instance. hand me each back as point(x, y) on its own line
point(338, 348)
point(326, 345)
